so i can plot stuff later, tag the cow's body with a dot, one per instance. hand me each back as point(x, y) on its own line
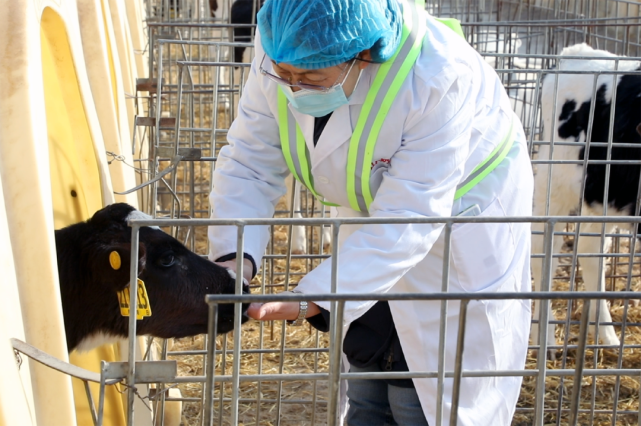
point(176, 280)
point(573, 106)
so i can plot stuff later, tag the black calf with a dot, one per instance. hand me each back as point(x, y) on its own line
point(176, 280)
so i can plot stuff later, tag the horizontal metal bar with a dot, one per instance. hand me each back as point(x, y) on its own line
point(583, 255)
point(250, 400)
point(580, 162)
point(214, 64)
point(571, 72)
point(621, 59)
point(631, 372)
point(355, 297)
point(205, 43)
point(384, 220)
point(592, 144)
point(553, 23)
point(256, 351)
point(55, 363)
point(581, 410)
point(199, 25)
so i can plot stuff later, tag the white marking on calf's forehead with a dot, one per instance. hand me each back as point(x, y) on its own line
point(137, 214)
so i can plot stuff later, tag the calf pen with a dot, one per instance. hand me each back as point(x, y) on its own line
point(269, 373)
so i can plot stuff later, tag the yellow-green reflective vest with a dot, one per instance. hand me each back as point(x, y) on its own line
point(385, 87)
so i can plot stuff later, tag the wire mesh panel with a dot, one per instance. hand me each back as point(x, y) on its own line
point(286, 379)
point(262, 371)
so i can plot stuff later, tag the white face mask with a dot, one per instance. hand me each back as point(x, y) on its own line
point(319, 104)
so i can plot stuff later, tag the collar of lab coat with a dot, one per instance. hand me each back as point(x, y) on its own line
point(340, 126)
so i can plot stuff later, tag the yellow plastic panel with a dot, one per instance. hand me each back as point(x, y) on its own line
point(75, 182)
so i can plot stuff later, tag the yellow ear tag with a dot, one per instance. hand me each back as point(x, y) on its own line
point(114, 260)
point(143, 309)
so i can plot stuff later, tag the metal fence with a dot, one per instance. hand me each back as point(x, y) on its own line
point(607, 375)
point(271, 374)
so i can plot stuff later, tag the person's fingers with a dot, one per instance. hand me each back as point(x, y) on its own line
point(253, 311)
point(273, 311)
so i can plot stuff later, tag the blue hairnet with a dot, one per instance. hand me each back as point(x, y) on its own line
point(313, 34)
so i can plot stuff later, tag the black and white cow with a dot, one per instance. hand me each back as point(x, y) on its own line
point(176, 280)
point(574, 94)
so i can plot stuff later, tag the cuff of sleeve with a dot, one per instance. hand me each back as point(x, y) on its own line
point(232, 256)
point(320, 321)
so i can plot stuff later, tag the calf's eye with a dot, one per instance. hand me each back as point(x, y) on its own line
point(167, 260)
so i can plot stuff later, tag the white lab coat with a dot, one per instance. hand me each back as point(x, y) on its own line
point(449, 115)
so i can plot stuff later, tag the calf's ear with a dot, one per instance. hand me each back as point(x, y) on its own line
point(639, 129)
point(112, 265)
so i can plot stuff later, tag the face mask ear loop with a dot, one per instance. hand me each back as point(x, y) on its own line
point(360, 74)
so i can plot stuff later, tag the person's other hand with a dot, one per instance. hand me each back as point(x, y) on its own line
point(280, 311)
point(247, 267)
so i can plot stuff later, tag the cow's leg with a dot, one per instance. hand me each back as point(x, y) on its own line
point(327, 236)
point(560, 200)
point(594, 279)
point(538, 247)
point(563, 198)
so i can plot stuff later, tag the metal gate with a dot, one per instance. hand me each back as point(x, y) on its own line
point(268, 373)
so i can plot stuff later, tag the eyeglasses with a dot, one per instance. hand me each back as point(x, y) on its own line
point(305, 86)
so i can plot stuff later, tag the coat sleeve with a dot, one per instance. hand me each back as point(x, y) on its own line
point(249, 176)
point(420, 182)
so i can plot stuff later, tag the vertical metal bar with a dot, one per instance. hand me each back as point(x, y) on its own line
point(551, 151)
point(261, 341)
point(458, 363)
point(580, 364)
point(333, 403)
point(315, 384)
point(92, 406)
point(283, 334)
point(238, 312)
point(159, 414)
point(101, 395)
point(626, 303)
point(223, 369)
point(440, 385)
point(543, 323)
point(210, 367)
point(335, 330)
point(133, 305)
point(535, 98)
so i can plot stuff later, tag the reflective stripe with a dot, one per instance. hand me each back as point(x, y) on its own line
point(294, 148)
point(487, 165)
point(386, 85)
point(283, 126)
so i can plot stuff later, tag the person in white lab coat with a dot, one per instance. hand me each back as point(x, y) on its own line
point(384, 111)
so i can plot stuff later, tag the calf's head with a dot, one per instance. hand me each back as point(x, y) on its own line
point(94, 265)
